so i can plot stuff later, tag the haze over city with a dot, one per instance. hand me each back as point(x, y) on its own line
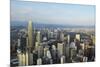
point(53, 13)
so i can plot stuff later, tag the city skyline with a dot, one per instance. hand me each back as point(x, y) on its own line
point(51, 46)
point(50, 33)
point(53, 13)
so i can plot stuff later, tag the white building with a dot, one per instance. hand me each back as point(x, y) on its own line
point(39, 61)
point(60, 48)
point(77, 37)
point(62, 59)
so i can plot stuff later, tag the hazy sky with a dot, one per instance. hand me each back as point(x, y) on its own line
point(53, 13)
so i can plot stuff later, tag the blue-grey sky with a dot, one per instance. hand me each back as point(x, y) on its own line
point(53, 13)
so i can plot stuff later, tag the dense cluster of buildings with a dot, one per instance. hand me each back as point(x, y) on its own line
point(31, 46)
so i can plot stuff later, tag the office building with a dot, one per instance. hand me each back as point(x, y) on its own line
point(30, 43)
point(36, 46)
point(38, 39)
point(49, 54)
point(45, 51)
point(62, 36)
point(18, 42)
point(30, 35)
point(77, 37)
point(22, 59)
point(60, 49)
point(39, 61)
point(62, 59)
point(68, 39)
point(40, 51)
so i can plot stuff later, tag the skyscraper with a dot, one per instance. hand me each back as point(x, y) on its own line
point(30, 37)
point(38, 37)
point(78, 37)
point(62, 36)
point(18, 42)
point(36, 46)
point(68, 39)
point(60, 49)
point(30, 43)
point(40, 51)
